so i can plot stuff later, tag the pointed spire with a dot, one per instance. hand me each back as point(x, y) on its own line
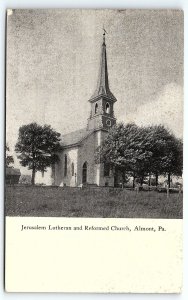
point(103, 83)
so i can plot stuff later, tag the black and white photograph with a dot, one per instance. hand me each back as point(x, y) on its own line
point(94, 150)
point(94, 113)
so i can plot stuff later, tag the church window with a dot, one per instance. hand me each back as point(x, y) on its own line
point(72, 169)
point(84, 173)
point(65, 167)
point(106, 170)
point(107, 108)
point(96, 108)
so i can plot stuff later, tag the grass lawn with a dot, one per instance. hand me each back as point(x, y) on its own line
point(96, 203)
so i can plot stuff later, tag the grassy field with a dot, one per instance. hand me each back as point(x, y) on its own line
point(102, 203)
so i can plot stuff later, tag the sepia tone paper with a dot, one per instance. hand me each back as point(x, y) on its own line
point(103, 261)
point(80, 224)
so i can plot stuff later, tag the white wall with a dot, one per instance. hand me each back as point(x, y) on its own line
point(69, 180)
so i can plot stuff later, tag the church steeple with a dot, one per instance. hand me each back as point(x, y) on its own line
point(102, 101)
point(103, 83)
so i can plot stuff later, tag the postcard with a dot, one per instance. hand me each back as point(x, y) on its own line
point(94, 150)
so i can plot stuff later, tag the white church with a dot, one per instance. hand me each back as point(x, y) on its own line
point(77, 165)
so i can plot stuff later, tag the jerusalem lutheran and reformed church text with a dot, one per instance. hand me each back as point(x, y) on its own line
point(92, 228)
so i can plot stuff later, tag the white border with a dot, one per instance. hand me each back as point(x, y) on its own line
point(157, 4)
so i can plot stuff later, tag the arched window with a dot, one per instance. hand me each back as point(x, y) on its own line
point(72, 169)
point(96, 108)
point(84, 172)
point(107, 108)
point(65, 165)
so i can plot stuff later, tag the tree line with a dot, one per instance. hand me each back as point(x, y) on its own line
point(135, 151)
point(141, 152)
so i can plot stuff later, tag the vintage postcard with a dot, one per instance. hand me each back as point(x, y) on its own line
point(94, 150)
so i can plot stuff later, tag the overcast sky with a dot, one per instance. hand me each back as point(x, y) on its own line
point(53, 62)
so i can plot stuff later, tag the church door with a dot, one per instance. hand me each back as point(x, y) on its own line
point(84, 173)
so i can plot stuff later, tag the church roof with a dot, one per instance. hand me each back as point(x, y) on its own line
point(12, 171)
point(103, 83)
point(75, 137)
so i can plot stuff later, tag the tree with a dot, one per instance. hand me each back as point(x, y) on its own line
point(124, 149)
point(173, 160)
point(141, 151)
point(37, 147)
point(9, 158)
point(156, 137)
point(167, 152)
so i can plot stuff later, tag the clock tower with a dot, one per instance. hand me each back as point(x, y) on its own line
point(102, 101)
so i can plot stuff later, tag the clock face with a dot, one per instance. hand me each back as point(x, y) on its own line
point(108, 122)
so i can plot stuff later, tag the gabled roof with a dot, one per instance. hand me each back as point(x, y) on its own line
point(103, 83)
point(12, 171)
point(75, 137)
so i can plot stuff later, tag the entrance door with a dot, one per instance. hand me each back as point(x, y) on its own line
point(84, 173)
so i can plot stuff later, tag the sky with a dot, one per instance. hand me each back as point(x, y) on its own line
point(53, 62)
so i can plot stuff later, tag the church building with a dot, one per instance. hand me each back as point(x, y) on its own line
point(77, 166)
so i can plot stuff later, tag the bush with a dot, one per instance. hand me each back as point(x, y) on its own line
point(25, 179)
